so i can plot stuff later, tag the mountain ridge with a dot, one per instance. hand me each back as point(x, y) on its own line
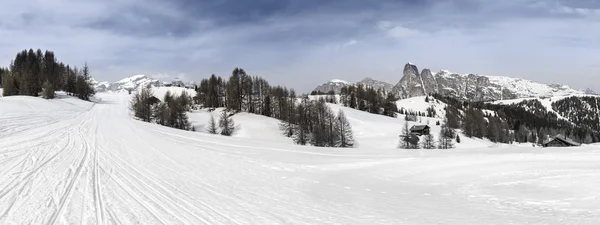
point(471, 87)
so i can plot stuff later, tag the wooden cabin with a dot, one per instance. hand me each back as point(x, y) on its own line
point(420, 130)
point(560, 141)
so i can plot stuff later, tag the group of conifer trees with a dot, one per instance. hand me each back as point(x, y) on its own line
point(369, 99)
point(306, 121)
point(36, 73)
point(170, 112)
point(527, 121)
point(313, 122)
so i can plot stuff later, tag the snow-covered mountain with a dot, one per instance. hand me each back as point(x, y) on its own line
point(133, 82)
point(473, 87)
point(589, 92)
point(336, 85)
point(369, 82)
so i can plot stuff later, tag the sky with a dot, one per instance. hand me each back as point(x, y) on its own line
point(303, 43)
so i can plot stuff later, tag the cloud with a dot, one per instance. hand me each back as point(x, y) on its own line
point(303, 43)
point(349, 43)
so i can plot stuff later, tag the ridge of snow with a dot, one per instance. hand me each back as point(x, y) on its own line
point(339, 81)
point(525, 88)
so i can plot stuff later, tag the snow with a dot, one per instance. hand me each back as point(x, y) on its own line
point(339, 81)
point(526, 88)
point(65, 161)
point(132, 78)
point(160, 92)
point(248, 126)
point(418, 104)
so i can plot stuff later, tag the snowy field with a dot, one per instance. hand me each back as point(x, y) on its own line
point(65, 161)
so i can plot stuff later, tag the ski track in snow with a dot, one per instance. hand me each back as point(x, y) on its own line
point(85, 163)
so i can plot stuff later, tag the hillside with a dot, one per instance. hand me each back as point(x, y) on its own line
point(68, 161)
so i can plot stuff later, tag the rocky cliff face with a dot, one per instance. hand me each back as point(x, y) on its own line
point(336, 85)
point(368, 82)
point(333, 85)
point(472, 87)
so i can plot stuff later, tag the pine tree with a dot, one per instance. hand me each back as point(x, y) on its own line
point(428, 142)
point(226, 124)
point(141, 106)
point(344, 129)
point(446, 137)
point(212, 125)
point(405, 137)
point(302, 131)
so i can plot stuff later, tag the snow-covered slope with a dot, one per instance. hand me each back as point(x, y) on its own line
point(248, 126)
point(160, 92)
point(65, 161)
point(418, 104)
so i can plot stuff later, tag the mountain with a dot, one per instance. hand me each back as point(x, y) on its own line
point(133, 82)
point(472, 87)
point(336, 85)
point(333, 85)
point(368, 82)
point(589, 92)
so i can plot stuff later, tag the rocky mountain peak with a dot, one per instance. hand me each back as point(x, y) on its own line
point(472, 87)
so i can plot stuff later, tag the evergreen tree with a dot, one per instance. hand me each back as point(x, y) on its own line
point(302, 131)
point(446, 137)
point(140, 105)
point(428, 142)
point(226, 124)
point(344, 129)
point(212, 125)
point(405, 137)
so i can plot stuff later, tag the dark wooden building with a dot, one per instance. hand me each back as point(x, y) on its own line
point(560, 141)
point(420, 130)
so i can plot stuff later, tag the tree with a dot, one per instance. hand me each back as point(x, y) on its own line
point(212, 125)
point(140, 105)
point(226, 124)
point(160, 113)
point(428, 142)
point(405, 137)
point(302, 131)
point(48, 90)
point(344, 129)
point(446, 137)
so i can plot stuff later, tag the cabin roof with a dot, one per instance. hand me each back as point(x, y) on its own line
point(418, 127)
point(563, 139)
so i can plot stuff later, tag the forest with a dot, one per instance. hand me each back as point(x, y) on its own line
point(37, 73)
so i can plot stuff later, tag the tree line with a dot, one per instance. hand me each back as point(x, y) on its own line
point(36, 73)
point(369, 99)
point(527, 121)
point(170, 112)
point(305, 121)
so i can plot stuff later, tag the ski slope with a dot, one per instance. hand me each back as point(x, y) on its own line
point(65, 161)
